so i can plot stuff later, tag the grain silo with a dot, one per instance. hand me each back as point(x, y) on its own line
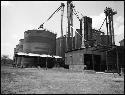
point(38, 42)
point(60, 46)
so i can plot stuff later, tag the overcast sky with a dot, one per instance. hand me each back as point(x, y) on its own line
point(20, 16)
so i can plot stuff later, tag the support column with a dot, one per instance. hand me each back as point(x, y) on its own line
point(117, 61)
point(46, 63)
point(93, 59)
point(106, 61)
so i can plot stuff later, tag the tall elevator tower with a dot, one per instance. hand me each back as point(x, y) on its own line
point(70, 23)
point(86, 30)
point(109, 12)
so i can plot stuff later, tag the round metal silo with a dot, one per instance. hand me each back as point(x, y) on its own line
point(39, 42)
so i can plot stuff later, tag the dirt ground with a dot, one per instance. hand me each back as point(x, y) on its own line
point(58, 81)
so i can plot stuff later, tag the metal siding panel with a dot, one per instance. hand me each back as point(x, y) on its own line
point(60, 50)
point(19, 60)
point(27, 61)
point(39, 41)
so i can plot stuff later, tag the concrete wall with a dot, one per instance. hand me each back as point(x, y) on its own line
point(74, 58)
point(76, 67)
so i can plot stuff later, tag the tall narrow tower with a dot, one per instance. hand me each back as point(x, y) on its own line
point(86, 31)
point(70, 23)
point(109, 12)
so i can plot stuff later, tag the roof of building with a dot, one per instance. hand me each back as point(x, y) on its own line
point(37, 55)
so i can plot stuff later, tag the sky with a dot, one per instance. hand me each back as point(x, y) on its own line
point(20, 16)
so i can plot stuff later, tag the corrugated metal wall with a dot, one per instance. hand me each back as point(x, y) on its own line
point(27, 61)
point(78, 39)
point(61, 46)
point(39, 42)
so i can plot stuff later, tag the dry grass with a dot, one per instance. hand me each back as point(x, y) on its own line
point(58, 81)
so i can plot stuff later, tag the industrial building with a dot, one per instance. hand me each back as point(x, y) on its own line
point(96, 50)
point(89, 48)
point(86, 57)
point(35, 48)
